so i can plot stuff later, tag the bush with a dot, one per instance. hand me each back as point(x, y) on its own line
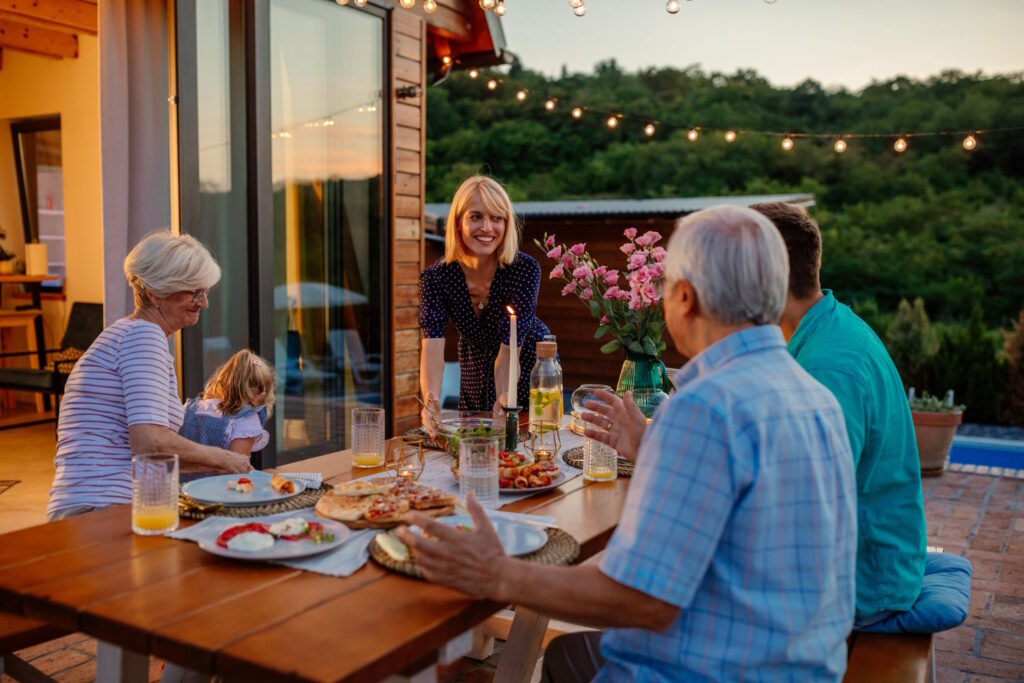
point(911, 342)
point(1012, 408)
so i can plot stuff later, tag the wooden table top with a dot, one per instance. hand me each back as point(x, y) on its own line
point(26, 279)
point(256, 620)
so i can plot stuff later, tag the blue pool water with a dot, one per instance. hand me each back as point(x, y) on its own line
point(992, 452)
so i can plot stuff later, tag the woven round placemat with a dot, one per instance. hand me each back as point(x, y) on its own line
point(574, 458)
point(428, 442)
point(560, 549)
point(306, 499)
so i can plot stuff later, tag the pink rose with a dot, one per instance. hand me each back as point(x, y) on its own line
point(658, 253)
point(650, 293)
point(586, 294)
point(656, 269)
point(612, 292)
point(611, 277)
point(654, 235)
point(605, 320)
point(637, 260)
point(641, 275)
point(550, 242)
point(622, 295)
point(578, 249)
point(600, 271)
point(567, 259)
point(629, 233)
point(644, 240)
point(627, 248)
point(557, 272)
point(569, 289)
point(555, 253)
point(582, 272)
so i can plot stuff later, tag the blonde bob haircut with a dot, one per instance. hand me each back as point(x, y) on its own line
point(163, 264)
point(497, 203)
point(240, 380)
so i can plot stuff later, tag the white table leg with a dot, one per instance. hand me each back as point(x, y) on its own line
point(519, 656)
point(117, 665)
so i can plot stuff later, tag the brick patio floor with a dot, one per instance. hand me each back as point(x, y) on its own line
point(975, 515)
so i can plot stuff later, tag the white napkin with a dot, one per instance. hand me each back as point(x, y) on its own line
point(344, 560)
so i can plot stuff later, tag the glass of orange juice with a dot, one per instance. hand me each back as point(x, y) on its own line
point(154, 493)
point(367, 437)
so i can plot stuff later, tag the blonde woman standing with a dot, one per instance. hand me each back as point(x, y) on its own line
point(481, 274)
point(122, 396)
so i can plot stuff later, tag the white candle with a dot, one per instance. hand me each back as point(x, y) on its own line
point(513, 361)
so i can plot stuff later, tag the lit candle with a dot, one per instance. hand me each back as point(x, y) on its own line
point(513, 361)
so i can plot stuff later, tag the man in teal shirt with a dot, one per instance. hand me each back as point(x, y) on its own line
point(842, 352)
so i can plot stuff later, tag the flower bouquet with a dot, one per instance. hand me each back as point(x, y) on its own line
point(628, 308)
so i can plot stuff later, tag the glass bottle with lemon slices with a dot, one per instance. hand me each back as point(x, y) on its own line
point(546, 387)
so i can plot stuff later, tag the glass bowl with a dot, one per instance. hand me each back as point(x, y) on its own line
point(585, 392)
point(452, 425)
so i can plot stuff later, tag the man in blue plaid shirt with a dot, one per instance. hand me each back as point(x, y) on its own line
point(734, 557)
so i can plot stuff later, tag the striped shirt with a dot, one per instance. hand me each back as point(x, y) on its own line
point(125, 378)
point(742, 513)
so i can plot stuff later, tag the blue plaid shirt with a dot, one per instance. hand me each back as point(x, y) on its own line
point(742, 513)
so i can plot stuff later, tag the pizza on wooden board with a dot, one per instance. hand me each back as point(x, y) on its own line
point(383, 503)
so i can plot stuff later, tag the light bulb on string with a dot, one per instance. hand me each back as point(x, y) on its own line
point(446, 60)
point(649, 130)
point(550, 105)
point(730, 136)
point(429, 6)
point(672, 6)
point(499, 9)
point(492, 84)
point(487, 4)
point(575, 3)
point(692, 135)
point(840, 146)
point(787, 143)
point(769, 2)
point(900, 146)
point(521, 95)
point(577, 112)
point(473, 73)
point(612, 122)
point(341, 2)
point(360, 3)
point(407, 4)
point(579, 11)
point(970, 142)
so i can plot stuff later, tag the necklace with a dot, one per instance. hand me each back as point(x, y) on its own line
point(480, 305)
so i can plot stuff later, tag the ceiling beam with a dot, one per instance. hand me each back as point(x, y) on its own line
point(14, 36)
point(69, 16)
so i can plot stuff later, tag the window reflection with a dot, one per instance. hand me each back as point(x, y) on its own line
point(328, 158)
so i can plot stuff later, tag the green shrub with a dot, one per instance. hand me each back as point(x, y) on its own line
point(911, 342)
point(1012, 408)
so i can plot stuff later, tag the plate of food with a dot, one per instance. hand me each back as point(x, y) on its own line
point(382, 502)
point(254, 488)
point(284, 540)
point(516, 538)
point(517, 475)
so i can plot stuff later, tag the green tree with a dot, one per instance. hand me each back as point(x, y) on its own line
point(1012, 409)
point(911, 342)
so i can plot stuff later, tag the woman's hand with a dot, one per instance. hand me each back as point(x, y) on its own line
point(234, 463)
point(430, 413)
point(615, 421)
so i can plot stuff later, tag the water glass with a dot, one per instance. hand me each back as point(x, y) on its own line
point(599, 461)
point(367, 437)
point(478, 469)
point(405, 457)
point(154, 493)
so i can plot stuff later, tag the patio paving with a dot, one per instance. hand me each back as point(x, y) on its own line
point(977, 515)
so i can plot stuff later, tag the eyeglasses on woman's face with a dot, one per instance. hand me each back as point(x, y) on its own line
point(199, 295)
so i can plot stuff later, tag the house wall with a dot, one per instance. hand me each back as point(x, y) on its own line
point(32, 86)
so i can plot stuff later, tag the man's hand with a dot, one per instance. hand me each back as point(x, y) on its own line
point(615, 421)
point(234, 463)
point(470, 561)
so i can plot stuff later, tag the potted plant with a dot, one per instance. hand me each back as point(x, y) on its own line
point(629, 311)
point(935, 423)
point(6, 257)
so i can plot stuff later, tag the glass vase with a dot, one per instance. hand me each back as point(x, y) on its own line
point(644, 375)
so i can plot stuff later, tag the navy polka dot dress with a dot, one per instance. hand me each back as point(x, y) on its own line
point(444, 296)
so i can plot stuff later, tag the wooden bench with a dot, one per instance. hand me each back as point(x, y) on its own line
point(17, 633)
point(889, 658)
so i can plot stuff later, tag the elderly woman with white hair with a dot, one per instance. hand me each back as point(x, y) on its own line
point(122, 396)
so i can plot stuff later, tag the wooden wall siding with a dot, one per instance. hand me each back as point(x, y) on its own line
point(580, 354)
point(409, 42)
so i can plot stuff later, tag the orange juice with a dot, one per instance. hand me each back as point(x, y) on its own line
point(367, 459)
point(154, 520)
point(601, 474)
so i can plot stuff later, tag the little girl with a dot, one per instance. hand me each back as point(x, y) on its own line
point(234, 406)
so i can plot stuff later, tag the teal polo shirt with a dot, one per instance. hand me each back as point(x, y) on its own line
point(842, 352)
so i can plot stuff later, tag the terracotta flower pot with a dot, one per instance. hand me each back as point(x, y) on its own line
point(934, 433)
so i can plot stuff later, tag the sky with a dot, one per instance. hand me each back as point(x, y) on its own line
point(835, 42)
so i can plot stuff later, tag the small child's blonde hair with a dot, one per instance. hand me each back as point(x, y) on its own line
point(237, 382)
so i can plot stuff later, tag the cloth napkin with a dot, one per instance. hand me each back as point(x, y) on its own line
point(312, 480)
point(344, 560)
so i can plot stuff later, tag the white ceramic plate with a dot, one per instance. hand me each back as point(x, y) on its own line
point(213, 490)
point(283, 550)
point(557, 481)
point(516, 538)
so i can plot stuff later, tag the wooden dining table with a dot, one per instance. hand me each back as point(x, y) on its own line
point(150, 595)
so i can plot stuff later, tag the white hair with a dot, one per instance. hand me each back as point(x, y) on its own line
point(736, 261)
point(163, 264)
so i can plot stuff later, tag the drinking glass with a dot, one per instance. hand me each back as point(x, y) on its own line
point(367, 437)
point(544, 442)
point(405, 457)
point(584, 393)
point(599, 461)
point(154, 493)
point(478, 469)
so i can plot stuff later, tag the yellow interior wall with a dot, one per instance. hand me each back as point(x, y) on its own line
point(32, 86)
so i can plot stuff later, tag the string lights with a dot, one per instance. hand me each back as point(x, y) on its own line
point(787, 144)
point(692, 135)
point(550, 104)
point(900, 145)
point(969, 142)
point(840, 146)
point(730, 136)
point(649, 130)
